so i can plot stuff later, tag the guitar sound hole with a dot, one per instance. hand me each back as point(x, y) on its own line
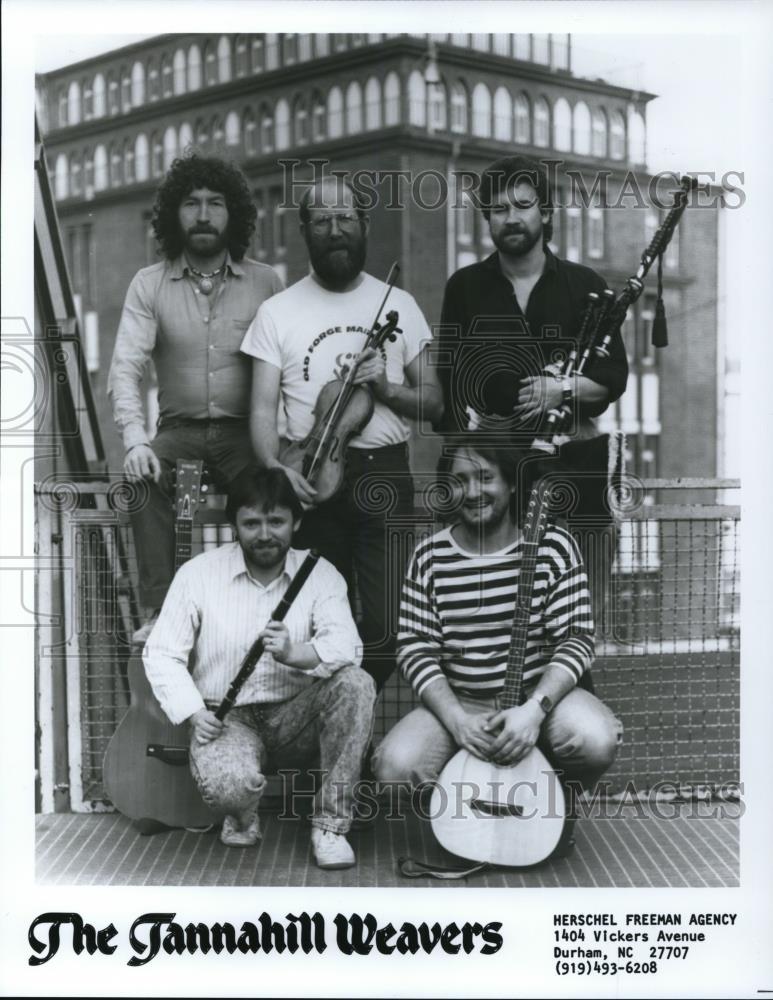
point(486, 808)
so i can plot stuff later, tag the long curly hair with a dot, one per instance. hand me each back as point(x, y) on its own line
point(188, 173)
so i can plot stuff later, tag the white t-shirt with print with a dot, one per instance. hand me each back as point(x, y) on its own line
point(310, 334)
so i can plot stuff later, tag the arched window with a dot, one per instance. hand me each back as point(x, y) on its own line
point(392, 99)
point(272, 51)
point(541, 122)
point(257, 54)
point(179, 72)
point(218, 132)
point(372, 103)
point(540, 49)
point(251, 146)
point(88, 100)
point(170, 146)
point(459, 118)
point(88, 173)
point(481, 111)
point(242, 56)
point(503, 115)
point(304, 47)
point(617, 135)
point(562, 124)
point(154, 84)
point(522, 120)
point(138, 84)
point(282, 124)
point(156, 154)
point(141, 157)
point(185, 138)
point(210, 64)
point(100, 168)
point(167, 84)
point(73, 103)
point(113, 102)
point(636, 138)
point(354, 108)
point(62, 107)
point(522, 47)
point(582, 129)
point(322, 44)
point(266, 130)
point(335, 113)
point(194, 67)
point(128, 161)
point(225, 71)
point(232, 129)
point(599, 132)
point(75, 176)
point(318, 117)
point(417, 100)
point(116, 165)
point(126, 89)
point(202, 135)
point(438, 106)
point(300, 121)
point(289, 49)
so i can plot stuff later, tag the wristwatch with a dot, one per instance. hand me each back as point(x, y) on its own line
point(544, 703)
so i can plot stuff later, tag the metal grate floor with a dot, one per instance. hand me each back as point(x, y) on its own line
point(691, 848)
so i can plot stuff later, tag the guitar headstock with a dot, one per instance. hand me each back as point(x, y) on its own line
point(387, 331)
point(537, 512)
point(188, 489)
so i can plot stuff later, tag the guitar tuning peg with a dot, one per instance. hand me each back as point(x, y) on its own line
point(204, 488)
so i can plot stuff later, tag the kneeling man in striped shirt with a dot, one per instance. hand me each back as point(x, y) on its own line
point(308, 698)
point(456, 618)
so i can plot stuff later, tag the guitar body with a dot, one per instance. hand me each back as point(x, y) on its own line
point(509, 816)
point(146, 787)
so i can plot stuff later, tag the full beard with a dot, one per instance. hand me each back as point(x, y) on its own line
point(211, 247)
point(519, 247)
point(339, 265)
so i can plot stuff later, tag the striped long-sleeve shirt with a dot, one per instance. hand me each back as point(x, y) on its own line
point(457, 611)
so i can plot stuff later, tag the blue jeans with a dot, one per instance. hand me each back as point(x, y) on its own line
point(579, 737)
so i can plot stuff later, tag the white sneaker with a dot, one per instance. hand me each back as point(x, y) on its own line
point(331, 850)
point(236, 833)
point(141, 636)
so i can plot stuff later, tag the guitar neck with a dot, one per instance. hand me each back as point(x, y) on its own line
point(512, 693)
point(183, 538)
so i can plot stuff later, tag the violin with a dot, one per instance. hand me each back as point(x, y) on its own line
point(341, 412)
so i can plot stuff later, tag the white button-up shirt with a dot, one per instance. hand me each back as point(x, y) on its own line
point(214, 611)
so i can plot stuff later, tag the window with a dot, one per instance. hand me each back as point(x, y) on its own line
point(257, 54)
point(224, 59)
point(375, 37)
point(259, 235)
point(170, 146)
point(280, 224)
point(88, 174)
point(128, 161)
point(289, 49)
point(138, 84)
point(322, 44)
point(194, 67)
point(358, 40)
point(300, 122)
point(75, 176)
point(282, 124)
point(113, 100)
point(250, 133)
point(202, 134)
point(372, 103)
point(126, 89)
point(417, 100)
point(481, 111)
point(503, 115)
point(210, 64)
point(541, 122)
point(335, 109)
point(304, 47)
point(559, 48)
point(599, 132)
point(480, 42)
point(73, 103)
point(574, 234)
point(266, 130)
point(522, 47)
point(154, 84)
point(438, 107)
point(272, 51)
point(540, 49)
point(185, 138)
point(156, 155)
point(167, 86)
point(179, 72)
point(100, 168)
point(339, 43)
point(99, 96)
point(78, 242)
point(501, 44)
point(242, 56)
point(617, 136)
point(595, 233)
point(353, 108)
point(392, 99)
point(459, 107)
point(88, 100)
point(522, 122)
point(218, 132)
point(581, 128)
point(636, 137)
point(465, 220)
point(460, 39)
point(141, 157)
point(116, 165)
point(232, 129)
point(562, 125)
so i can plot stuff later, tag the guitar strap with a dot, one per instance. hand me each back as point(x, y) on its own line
point(413, 868)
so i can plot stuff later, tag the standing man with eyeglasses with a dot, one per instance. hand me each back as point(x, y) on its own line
point(300, 340)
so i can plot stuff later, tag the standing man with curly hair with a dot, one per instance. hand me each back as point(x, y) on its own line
point(189, 314)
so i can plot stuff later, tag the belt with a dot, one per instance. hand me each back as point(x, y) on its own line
point(371, 454)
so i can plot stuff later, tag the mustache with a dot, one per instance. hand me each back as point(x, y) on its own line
point(202, 230)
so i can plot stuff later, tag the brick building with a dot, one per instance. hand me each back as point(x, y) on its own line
point(430, 108)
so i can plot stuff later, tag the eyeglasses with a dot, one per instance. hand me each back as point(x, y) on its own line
point(324, 223)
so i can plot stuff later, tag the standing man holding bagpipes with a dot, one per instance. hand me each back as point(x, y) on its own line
point(317, 333)
point(508, 324)
point(300, 695)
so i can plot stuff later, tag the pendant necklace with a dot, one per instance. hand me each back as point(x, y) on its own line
point(205, 281)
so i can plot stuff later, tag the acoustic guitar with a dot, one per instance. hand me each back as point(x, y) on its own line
point(504, 815)
point(144, 774)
